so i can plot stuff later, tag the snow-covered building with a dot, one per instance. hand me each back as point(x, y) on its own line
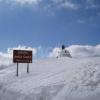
point(64, 52)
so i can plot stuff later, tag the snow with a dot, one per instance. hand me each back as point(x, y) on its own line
point(52, 79)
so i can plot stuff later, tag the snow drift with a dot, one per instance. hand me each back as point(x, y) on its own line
point(52, 79)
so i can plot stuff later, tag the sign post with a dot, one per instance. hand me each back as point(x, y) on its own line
point(22, 56)
point(17, 70)
point(27, 67)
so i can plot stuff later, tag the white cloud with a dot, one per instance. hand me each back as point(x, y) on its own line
point(55, 4)
point(27, 1)
point(54, 52)
point(80, 21)
point(67, 4)
point(6, 58)
point(79, 51)
point(75, 51)
point(91, 4)
point(10, 50)
point(22, 2)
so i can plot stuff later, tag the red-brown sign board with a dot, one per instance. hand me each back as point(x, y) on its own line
point(22, 56)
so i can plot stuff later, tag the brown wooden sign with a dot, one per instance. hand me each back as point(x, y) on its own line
point(22, 56)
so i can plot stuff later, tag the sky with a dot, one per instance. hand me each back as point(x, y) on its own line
point(49, 23)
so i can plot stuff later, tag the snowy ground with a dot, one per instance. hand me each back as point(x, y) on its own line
point(52, 79)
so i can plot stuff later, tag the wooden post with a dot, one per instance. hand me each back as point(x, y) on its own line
point(27, 67)
point(17, 70)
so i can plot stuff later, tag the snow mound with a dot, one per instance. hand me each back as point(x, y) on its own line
point(52, 79)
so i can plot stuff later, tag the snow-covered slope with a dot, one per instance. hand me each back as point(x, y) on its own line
point(52, 79)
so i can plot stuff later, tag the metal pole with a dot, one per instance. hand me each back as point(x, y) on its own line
point(17, 70)
point(27, 67)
